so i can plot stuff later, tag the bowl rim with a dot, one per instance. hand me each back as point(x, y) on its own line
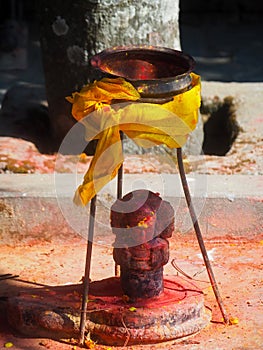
point(97, 60)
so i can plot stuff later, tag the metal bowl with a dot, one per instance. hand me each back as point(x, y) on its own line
point(153, 71)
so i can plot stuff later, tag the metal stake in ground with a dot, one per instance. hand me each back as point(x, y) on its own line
point(86, 281)
point(199, 235)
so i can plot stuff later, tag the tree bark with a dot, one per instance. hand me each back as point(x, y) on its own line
point(73, 31)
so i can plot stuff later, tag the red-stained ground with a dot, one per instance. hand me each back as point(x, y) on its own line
point(237, 266)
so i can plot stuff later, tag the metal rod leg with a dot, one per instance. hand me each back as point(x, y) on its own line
point(119, 182)
point(119, 195)
point(199, 235)
point(119, 190)
point(86, 281)
point(120, 172)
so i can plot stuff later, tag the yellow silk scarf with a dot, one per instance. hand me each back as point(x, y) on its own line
point(100, 107)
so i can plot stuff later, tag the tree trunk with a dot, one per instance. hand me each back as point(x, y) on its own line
point(73, 31)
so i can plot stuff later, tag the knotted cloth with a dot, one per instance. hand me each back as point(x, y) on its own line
point(109, 106)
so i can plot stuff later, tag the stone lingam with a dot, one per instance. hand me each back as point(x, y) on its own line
point(142, 222)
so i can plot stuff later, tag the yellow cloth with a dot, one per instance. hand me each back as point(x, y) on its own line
point(147, 124)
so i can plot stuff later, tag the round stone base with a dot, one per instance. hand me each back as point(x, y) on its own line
point(112, 319)
point(177, 312)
